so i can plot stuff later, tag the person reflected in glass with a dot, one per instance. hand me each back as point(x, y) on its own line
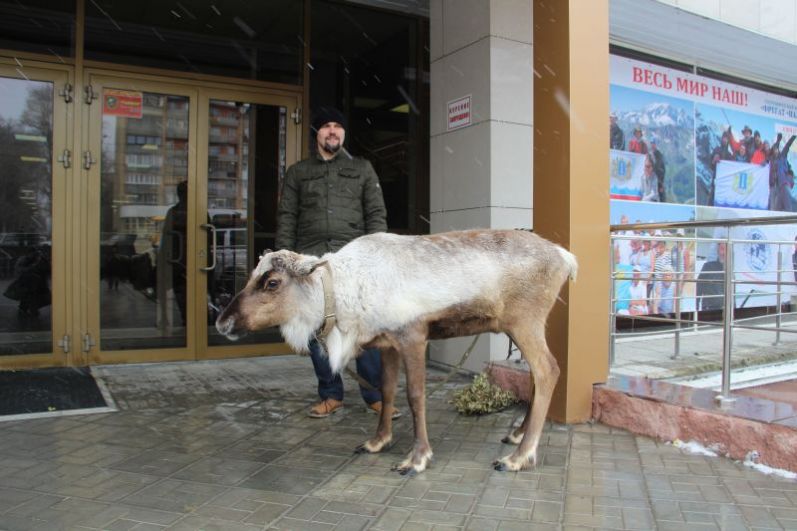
point(171, 263)
point(31, 285)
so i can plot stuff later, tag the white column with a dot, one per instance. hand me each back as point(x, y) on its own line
point(481, 174)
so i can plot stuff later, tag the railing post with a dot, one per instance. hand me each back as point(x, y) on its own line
point(612, 307)
point(727, 323)
point(677, 306)
point(778, 316)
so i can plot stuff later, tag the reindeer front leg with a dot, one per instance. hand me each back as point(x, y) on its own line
point(415, 366)
point(384, 432)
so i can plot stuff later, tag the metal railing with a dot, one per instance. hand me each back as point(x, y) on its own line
point(723, 277)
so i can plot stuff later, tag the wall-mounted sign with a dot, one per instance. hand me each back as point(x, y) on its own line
point(126, 103)
point(459, 112)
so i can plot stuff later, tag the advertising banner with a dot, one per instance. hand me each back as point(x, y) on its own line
point(685, 146)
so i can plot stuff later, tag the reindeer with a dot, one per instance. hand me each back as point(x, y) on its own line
point(397, 292)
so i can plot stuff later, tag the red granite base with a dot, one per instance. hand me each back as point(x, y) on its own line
point(667, 411)
point(731, 436)
point(511, 376)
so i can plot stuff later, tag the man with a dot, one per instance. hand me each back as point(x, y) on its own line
point(720, 153)
point(746, 144)
point(659, 168)
point(710, 286)
point(328, 200)
point(794, 259)
point(616, 135)
point(783, 176)
point(637, 144)
point(650, 182)
point(638, 293)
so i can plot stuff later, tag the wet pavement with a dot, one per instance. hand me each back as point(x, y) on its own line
point(226, 445)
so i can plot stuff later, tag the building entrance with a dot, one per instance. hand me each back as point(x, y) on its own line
point(186, 181)
point(132, 214)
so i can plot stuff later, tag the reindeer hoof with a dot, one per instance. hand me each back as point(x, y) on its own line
point(512, 439)
point(507, 464)
point(408, 471)
point(371, 447)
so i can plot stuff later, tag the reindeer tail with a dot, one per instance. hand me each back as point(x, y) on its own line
point(570, 260)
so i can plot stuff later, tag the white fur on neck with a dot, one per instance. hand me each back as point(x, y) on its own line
point(302, 326)
point(341, 348)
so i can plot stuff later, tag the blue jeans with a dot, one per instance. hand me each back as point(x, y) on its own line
point(369, 367)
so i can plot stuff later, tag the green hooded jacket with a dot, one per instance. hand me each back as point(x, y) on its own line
point(326, 204)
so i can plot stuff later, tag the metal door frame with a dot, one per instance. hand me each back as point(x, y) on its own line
point(292, 148)
point(199, 97)
point(63, 350)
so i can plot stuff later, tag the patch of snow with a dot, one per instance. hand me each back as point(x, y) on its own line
point(750, 459)
point(764, 469)
point(694, 447)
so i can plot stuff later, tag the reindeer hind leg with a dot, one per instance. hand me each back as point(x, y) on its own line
point(543, 377)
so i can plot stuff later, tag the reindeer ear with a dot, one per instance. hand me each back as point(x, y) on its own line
point(305, 267)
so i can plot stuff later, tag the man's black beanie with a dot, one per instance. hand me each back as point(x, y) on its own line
point(324, 115)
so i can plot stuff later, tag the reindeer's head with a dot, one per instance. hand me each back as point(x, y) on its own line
point(276, 293)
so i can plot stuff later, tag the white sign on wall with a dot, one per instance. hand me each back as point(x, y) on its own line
point(459, 112)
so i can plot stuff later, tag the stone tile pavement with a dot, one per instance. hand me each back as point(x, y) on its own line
point(225, 445)
point(653, 355)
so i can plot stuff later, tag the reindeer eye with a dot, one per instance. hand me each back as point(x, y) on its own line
point(272, 284)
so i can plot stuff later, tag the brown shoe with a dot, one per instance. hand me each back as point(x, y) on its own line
point(376, 407)
point(325, 408)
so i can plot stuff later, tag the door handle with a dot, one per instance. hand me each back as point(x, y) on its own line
point(212, 230)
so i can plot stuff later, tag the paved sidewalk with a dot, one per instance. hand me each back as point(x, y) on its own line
point(652, 355)
point(226, 446)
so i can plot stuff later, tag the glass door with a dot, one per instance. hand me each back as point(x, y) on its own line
point(249, 140)
point(33, 137)
point(142, 265)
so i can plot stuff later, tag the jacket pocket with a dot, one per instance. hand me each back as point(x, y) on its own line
point(312, 191)
point(348, 187)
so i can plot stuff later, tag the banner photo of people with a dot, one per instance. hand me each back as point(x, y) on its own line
point(652, 147)
point(755, 259)
point(726, 150)
point(651, 269)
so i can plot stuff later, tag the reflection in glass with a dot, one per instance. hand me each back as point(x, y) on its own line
point(233, 38)
point(144, 168)
point(26, 136)
point(246, 160)
point(41, 26)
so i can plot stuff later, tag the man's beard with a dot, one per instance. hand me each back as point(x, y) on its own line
point(331, 149)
